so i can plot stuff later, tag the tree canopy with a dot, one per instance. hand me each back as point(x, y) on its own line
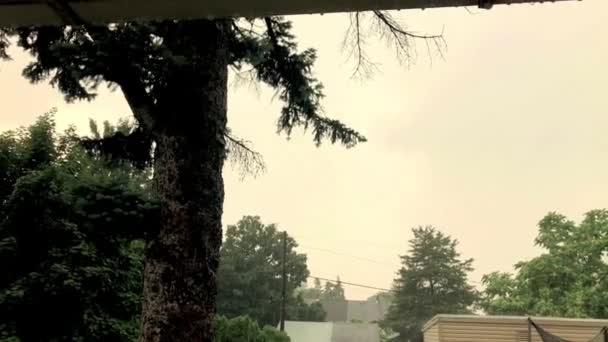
point(71, 245)
point(78, 59)
point(432, 280)
point(71, 242)
point(174, 76)
point(250, 274)
point(568, 280)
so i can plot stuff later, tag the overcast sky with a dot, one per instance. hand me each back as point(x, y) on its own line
point(510, 125)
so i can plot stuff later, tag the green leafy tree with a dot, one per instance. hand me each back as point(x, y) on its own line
point(25, 150)
point(174, 76)
point(250, 274)
point(300, 310)
point(245, 329)
point(432, 280)
point(71, 248)
point(568, 280)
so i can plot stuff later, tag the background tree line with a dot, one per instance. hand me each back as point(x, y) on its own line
point(570, 279)
point(72, 244)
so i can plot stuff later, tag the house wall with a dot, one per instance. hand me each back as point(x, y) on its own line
point(365, 311)
point(432, 335)
point(309, 331)
point(368, 311)
point(355, 332)
point(505, 332)
point(480, 332)
point(336, 310)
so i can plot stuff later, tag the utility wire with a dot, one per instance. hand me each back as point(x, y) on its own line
point(397, 249)
point(350, 256)
point(349, 283)
point(356, 257)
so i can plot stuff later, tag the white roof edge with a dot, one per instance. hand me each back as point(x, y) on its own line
point(511, 319)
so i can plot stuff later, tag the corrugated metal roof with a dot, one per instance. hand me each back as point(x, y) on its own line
point(513, 319)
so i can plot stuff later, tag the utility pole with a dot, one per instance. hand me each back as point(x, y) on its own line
point(284, 286)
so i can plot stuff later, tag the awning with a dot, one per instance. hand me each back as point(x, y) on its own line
point(41, 12)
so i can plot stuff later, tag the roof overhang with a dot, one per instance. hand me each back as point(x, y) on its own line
point(463, 319)
point(47, 12)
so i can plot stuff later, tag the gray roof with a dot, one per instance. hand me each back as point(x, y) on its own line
point(355, 310)
point(332, 332)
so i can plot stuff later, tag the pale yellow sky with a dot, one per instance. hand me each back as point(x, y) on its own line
point(511, 125)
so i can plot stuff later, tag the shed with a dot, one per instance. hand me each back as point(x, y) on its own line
point(471, 328)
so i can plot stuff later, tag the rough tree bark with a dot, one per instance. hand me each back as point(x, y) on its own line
point(182, 257)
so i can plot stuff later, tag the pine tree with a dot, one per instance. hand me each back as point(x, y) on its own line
point(333, 291)
point(174, 75)
point(432, 280)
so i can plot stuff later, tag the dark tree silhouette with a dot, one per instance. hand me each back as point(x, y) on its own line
point(173, 75)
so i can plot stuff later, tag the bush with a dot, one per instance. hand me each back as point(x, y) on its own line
point(245, 329)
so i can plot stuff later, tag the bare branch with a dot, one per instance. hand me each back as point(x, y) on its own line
point(404, 40)
point(241, 156)
point(388, 29)
point(251, 30)
point(245, 78)
point(355, 41)
point(396, 28)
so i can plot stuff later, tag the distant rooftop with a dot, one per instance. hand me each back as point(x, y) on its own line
point(332, 332)
point(370, 310)
point(513, 319)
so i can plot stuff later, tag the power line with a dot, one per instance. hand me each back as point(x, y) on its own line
point(367, 259)
point(397, 249)
point(350, 256)
point(356, 257)
point(350, 284)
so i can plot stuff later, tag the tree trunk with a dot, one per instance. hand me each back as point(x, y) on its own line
point(182, 257)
